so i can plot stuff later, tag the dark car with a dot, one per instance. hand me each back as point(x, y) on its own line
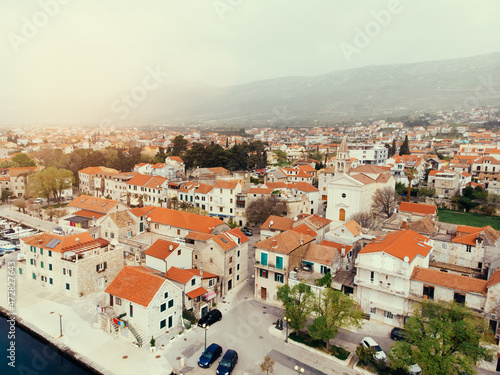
point(247, 231)
point(227, 363)
point(398, 334)
point(210, 318)
point(209, 356)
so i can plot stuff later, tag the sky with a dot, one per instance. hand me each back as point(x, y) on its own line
point(62, 60)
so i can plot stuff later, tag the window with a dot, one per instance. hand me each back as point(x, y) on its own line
point(237, 267)
point(372, 276)
point(41, 251)
point(428, 292)
point(343, 195)
point(468, 248)
point(193, 282)
point(211, 283)
point(20, 271)
point(118, 301)
point(373, 310)
point(131, 312)
point(325, 270)
point(50, 267)
point(263, 273)
point(157, 226)
point(263, 259)
point(388, 315)
point(163, 307)
point(238, 253)
point(33, 262)
point(279, 263)
point(67, 286)
point(41, 264)
point(163, 323)
point(165, 295)
point(101, 267)
point(278, 277)
point(43, 278)
point(34, 276)
point(171, 303)
point(51, 281)
point(112, 235)
point(230, 271)
point(230, 259)
point(459, 297)
point(170, 321)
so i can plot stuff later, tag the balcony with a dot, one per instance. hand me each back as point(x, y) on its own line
point(270, 266)
point(381, 286)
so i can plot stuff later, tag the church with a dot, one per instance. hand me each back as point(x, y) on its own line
point(350, 191)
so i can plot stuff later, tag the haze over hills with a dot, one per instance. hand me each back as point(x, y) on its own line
point(368, 92)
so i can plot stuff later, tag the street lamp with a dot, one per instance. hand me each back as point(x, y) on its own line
point(205, 327)
point(60, 323)
point(299, 370)
point(287, 320)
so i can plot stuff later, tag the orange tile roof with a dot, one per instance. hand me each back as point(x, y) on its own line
point(197, 292)
point(137, 284)
point(259, 190)
point(161, 249)
point(180, 275)
point(307, 168)
point(449, 280)
point(139, 179)
point(364, 179)
point(419, 208)
point(67, 243)
point(320, 254)
point(279, 223)
point(225, 241)
point(176, 158)
point(399, 244)
point(494, 279)
point(89, 214)
point(304, 186)
point(203, 188)
point(304, 229)
point(226, 184)
point(140, 211)
point(197, 236)
point(155, 182)
point(337, 246)
point(316, 221)
point(284, 242)
point(353, 227)
point(185, 220)
point(87, 202)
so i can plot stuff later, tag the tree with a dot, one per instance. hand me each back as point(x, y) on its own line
point(410, 174)
point(405, 147)
point(443, 338)
point(365, 355)
point(179, 145)
point(160, 155)
point(365, 219)
point(335, 310)
point(267, 365)
point(8, 164)
point(260, 209)
point(6, 194)
point(394, 148)
point(23, 160)
point(21, 204)
point(49, 182)
point(385, 201)
point(298, 302)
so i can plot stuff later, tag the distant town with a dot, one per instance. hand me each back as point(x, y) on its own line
point(371, 247)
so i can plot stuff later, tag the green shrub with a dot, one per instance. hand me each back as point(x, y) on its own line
point(339, 352)
point(189, 315)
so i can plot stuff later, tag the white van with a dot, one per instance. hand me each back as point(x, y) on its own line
point(415, 370)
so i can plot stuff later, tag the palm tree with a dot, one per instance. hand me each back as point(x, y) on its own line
point(410, 175)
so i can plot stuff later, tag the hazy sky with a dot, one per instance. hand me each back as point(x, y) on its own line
point(62, 59)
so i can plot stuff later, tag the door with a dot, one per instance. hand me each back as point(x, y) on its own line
point(131, 311)
point(498, 364)
point(111, 300)
point(263, 293)
point(229, 284)
point(204, 311)
point(141, 227)
point(342, 215)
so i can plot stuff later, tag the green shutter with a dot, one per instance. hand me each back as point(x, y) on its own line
point(279, 263)
point(263, 259)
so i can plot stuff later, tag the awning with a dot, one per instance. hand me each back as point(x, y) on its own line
point(308, 263)
point(210, 296)
point(197, 292)
point(78, 219)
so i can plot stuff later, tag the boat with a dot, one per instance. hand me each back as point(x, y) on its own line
point(6, 246)
point(20, 233)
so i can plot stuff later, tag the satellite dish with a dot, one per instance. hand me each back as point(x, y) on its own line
point(171, 247)
point(406, 259)
point(271, 222)
point(295, 218)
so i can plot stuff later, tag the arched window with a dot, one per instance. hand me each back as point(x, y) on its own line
point(342, 214)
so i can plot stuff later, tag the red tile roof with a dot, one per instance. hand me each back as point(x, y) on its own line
point(89, 214)
point(197, 292)
point(137, 284)
point(304, 229)
point(399, 244)
point(449, 280)
point(180, 275)
point(419, 208)
point(139, 179)
point(337, 246)
point(494, 279)
point(161, 249)
point(304, 186)
point(67, 243)
point(284, 242)
point(279, 223)
point(226, 184)
point(87, 202)
point(185, 220)
point(141, 211)
point(320, 254)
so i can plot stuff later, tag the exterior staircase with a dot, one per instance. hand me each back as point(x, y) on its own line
point(138, 334)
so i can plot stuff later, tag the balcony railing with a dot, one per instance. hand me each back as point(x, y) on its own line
point(385, 287)
point(269, 266)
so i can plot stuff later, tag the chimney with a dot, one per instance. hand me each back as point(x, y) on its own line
point(274, 244)
point(342, 251)
point(404, 224)
point(77, 240)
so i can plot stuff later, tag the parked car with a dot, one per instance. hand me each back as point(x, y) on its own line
point(368, 342)
point(39, 201)
point(210, 355)
point(58, 230)
point(415, 370)
point(227, 363)
point(246, 231)
point(398, 334)
point(210, 318)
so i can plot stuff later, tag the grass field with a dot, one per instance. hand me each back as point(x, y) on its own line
point(468, 218)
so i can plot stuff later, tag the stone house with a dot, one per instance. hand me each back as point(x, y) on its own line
point(275, 257)
point(147, 303)
point(165, 254)
point(225, 254)
point(116, 225)
point(73, 266)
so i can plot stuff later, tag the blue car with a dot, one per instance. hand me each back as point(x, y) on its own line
point(227, 363)
point(209, 356)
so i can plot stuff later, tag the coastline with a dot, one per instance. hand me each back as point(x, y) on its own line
point(64, 350)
